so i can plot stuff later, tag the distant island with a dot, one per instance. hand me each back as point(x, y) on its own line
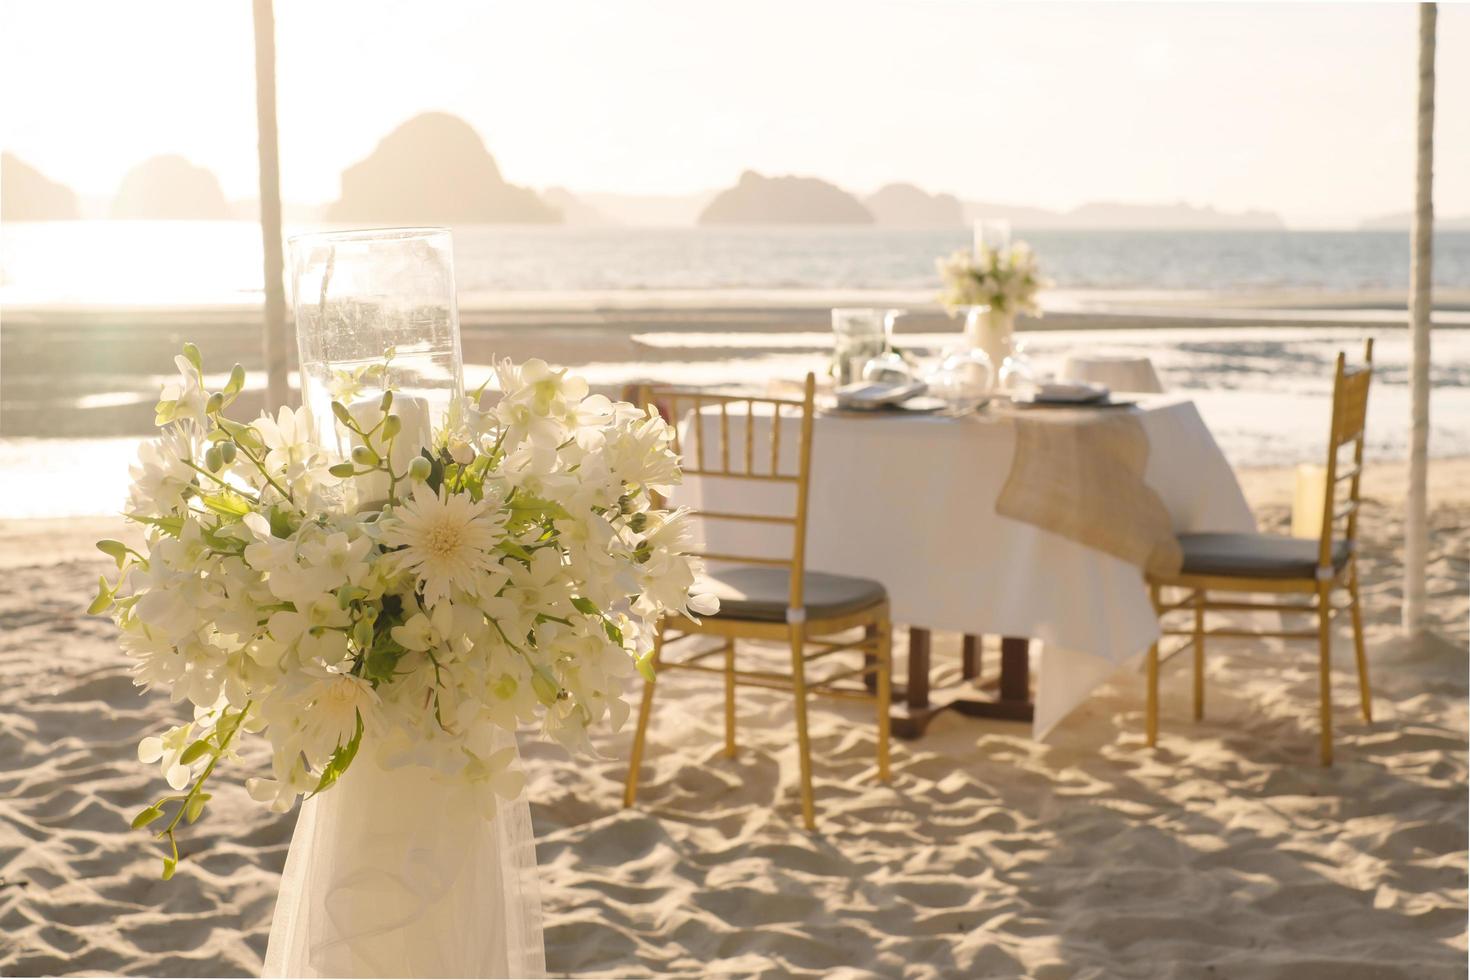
point(636, 210)
point(1104, 216)
point(1404, 220)
point(167, 188)
point(907, 206)
point(576, 211)
point(434, 169)
point(26, 194)
point(758, 200)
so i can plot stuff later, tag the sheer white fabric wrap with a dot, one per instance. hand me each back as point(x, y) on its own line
point(392, 874)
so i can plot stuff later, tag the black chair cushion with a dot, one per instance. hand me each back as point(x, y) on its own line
point(758, 594)
point(1255, 555)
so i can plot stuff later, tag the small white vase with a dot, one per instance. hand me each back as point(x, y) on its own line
point(990, 330)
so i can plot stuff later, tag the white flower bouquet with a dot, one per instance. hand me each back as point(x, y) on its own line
point(506, 567)
point(1004, 279)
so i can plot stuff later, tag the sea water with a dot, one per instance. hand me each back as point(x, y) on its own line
point(180, 263)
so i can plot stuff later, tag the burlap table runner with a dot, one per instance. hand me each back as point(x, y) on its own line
point(1080, 473)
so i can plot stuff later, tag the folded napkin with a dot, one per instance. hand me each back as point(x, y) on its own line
point(1081, 475)
point(1069, 391)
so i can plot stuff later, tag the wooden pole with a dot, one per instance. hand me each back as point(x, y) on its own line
point(275, 334)
point(1416, 545)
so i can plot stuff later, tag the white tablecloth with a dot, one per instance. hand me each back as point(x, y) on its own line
point(909, 500)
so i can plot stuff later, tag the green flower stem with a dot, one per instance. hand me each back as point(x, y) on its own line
point(260, 465)
point(196, 789)
point(223, 483)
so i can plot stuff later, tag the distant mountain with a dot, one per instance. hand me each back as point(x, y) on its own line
point(1109, 215)
point(1018, 215)
point(170, 188)
point(574, 210)
point(248, 209)
point(647, 210)
point(758, 200)
point(434, 169)
point(28, 195)
point(907, 206)
point(1404, 220)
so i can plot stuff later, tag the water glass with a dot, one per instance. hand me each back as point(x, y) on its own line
point(859, 335)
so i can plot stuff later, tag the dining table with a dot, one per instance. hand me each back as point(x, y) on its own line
point(908, 499)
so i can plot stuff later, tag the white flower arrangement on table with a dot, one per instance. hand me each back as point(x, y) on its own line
point(512, 572)
point(1004, 279)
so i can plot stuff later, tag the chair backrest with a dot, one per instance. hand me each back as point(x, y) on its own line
point(699, 414)
point(1349, 421)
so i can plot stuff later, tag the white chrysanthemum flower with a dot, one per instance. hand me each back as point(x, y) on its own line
point(445, 540)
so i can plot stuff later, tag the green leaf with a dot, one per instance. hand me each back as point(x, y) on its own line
point(172, 526)
point(115, 550)
point(194, 752)
point(191, 354)
point(341, 759)
point(585, 606)
point(382, 660)
point(283, 523)
point(145, 817)
point(226, 503)
point(104, 598)
point(514, 550)
point(436, 471)
point(169, 867)
point(613, 633)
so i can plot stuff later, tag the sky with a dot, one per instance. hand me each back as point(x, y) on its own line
point(1302, 109)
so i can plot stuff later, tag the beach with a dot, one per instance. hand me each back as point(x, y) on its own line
point(1225, 852)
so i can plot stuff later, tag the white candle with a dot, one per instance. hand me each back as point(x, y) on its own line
point(415, 434)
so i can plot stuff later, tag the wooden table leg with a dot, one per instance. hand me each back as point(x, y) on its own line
point(1015, 669)
point(971, 656)
point(912, 714)
point(918, 690)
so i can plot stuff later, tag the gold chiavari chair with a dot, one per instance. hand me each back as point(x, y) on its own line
point(1303, 572)
point(763, 597)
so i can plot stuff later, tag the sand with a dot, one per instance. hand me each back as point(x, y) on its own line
point(1227, 852)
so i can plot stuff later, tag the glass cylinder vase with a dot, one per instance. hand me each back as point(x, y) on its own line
point(376, 311)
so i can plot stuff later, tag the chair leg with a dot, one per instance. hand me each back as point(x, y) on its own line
point(1151, 709)
point(885, 695)
point(1324, 666)
point(803, 739)
point(1199, 655)
point(635, 758)
point(730, 698)
point(1151, 713)
point(1365, 693)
